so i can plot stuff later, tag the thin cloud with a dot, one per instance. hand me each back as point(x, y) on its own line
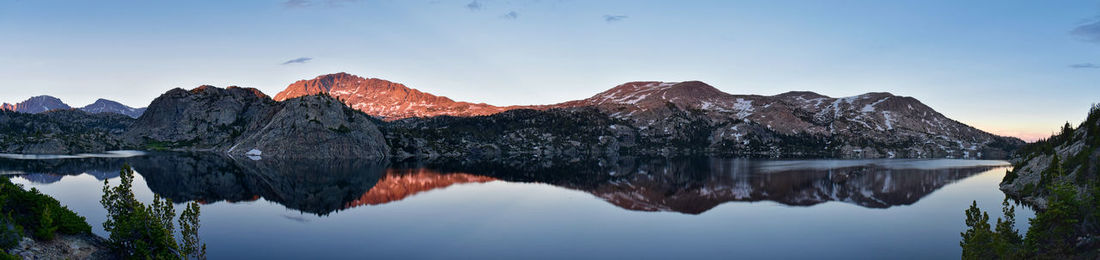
point(614, 18)
point(474, 6)
point(297, 3)
point(1089, 31)
point(339, 3)
point(310, 3)
point(512, 15)
point(298, 60)
point(1085, 66)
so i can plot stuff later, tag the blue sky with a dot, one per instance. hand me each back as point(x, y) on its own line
point(1011, 67)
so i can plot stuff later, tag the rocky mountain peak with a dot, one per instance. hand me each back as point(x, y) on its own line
point(383, 98)
point(804, 95)
point(108, 106)
point(103, 103)
point(37, 104)
point(245, 122)
point(202, 89)
point(44, 98)
point(254, 91)
point(646, 95)
point(234, 91)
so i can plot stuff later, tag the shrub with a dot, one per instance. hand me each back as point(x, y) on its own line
point(10, 233)
point(6, 256)
point(45, 227)
point(38, 214)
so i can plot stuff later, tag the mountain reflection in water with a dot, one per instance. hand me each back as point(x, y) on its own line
point(690, 186)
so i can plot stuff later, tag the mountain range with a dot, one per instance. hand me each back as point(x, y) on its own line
point(699, 118)
point(40, 104)
point(108, 106)
point(350, 116)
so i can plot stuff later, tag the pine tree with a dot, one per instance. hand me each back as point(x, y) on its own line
point(1052, 231)
point(138, 231)
point(1007, 240)
point(977, 241)
point(45, 225)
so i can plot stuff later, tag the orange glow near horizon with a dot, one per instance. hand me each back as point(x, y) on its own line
point(1026, 135)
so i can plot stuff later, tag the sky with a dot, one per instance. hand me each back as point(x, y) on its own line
point(1018, 68)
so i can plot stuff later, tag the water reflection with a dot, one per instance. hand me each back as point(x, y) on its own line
point(690, 186)
point(694, 186)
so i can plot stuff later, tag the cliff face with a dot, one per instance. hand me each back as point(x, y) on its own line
point(240, 121)
point(204, 118)
point(313, 127)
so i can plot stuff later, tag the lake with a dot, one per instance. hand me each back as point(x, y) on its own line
point(707, 208)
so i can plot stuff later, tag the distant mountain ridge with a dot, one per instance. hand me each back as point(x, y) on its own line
point(645, 118)
point(37, 104)
point(68, 131)
point(108, 106)
point(45, 103)
point(876, 119)
point(693, 117)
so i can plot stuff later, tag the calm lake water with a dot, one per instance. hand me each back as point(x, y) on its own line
point(709, 208)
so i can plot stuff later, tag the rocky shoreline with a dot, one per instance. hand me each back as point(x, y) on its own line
point(85, 246)
point(1070, 157)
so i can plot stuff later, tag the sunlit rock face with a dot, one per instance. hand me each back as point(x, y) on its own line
point(383, 98)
